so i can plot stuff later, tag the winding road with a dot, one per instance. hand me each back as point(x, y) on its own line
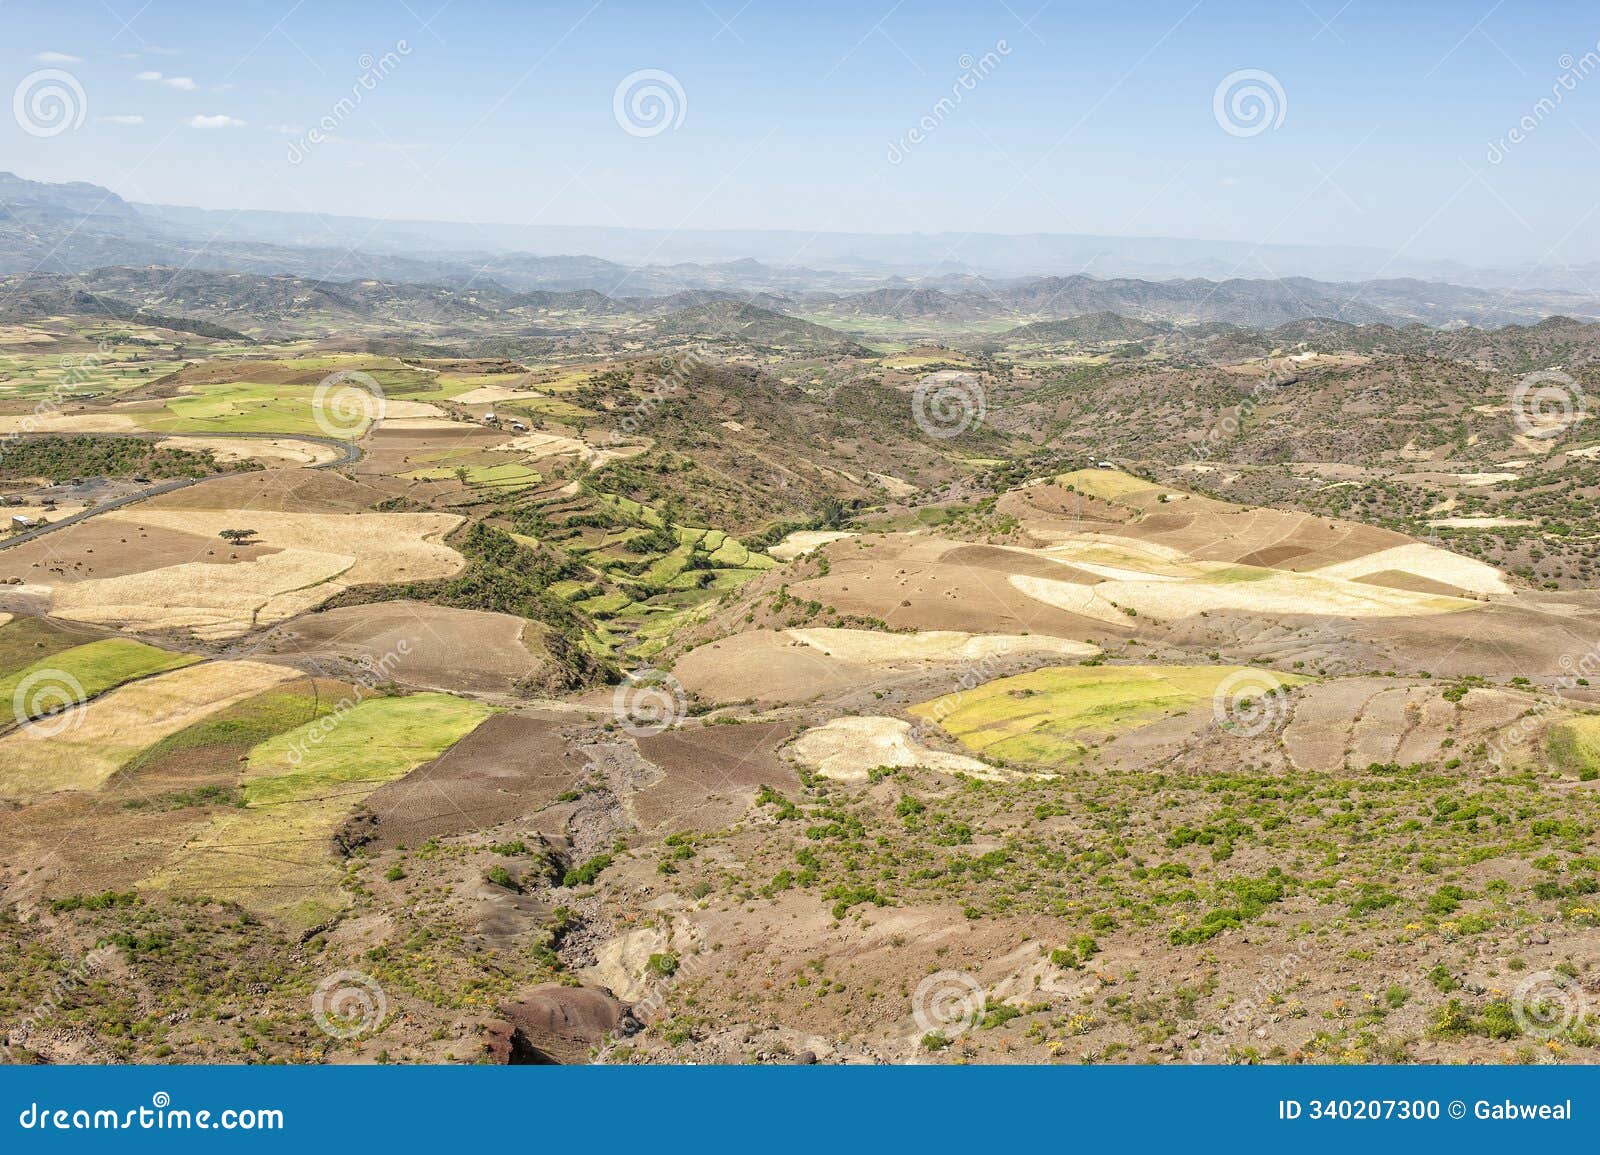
point(349, 454)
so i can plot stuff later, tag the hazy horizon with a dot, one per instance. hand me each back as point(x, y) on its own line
point(1255, 125)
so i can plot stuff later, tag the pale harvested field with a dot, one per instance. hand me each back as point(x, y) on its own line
point(398, 407)
point(765, 666)
point(1085, 601)
point(100, 422)
point(1478, 522)
point(1278, 593)
point(102, 548)
point(845, 749)
point(942, 646)
point(212, 601)
point(541, 445)
point(99, 737)
point(1425, 561)
point(1110, 484)
point(793, 666)
point(895, 486)
point(494, 394)
point(231, 449)
point(382, 546)
point(920, 582)
point(803, 541)
point(317, 555)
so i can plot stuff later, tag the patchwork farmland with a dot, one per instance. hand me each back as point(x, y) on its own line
point(669, 694)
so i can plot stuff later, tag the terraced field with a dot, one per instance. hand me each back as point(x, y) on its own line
point(1095, 741)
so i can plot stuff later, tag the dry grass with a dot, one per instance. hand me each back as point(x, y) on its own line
point(96, 740)
point(1425, 561)
point(870, 648)
point(803, 541)
point(231, 449)
point(274, 854)
point(848, 749)
point(318, 555)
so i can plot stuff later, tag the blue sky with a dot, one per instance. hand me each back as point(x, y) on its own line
point(1090, 117)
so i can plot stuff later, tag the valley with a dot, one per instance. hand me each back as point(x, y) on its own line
point(886, 678)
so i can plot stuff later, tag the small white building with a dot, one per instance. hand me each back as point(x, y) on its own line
point(19, 522)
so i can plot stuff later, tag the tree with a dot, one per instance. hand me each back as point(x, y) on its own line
point(237, 536)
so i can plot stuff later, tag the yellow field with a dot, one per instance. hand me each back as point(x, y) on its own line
point(319, 554)
point(81, 749)
point(1108, 484)
point(1048, 717)
point(273, 854)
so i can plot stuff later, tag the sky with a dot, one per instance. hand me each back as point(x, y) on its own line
point(1462, 131)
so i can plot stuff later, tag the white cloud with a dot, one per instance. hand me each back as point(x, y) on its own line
point(121, 118)
point(56, 58)
point(285, 129)
point(181, 83)
point(1228, 182)
point(218, 121)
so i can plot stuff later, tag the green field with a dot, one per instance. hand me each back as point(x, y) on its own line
point(376, 741)
point(270, 851)
point(95, 668)
point(1574, 745)
point(1050, 717)
point(507, 478)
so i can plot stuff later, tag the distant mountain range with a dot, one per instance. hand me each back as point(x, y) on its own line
point(188, 262)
